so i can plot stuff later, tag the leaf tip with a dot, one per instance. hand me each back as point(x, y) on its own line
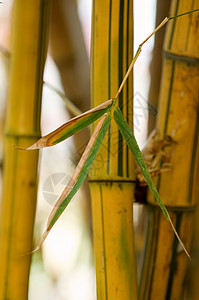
point(18, 148)
point(33, 147)
point(178, 237)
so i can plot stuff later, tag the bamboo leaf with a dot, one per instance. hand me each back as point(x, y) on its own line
point(74, 125)
point(79, 175)
point(132, 144)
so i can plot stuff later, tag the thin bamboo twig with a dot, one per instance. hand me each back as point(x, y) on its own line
point(72, 108)
point(140, 47)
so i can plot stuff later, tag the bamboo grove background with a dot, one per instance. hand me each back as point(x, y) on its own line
point(166, 272)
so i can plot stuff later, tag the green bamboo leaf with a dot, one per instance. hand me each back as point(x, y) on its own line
point(132, 144)
point(79, 175)
point(71, 127)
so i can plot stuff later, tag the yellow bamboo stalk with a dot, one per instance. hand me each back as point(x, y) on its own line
point(165, 263)
point(191, 280)
point(112, 176)
point(29, 33)
point(4, 62)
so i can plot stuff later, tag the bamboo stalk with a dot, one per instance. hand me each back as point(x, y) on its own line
point(165, 264)
point(29, 33)
point(4, 89)
point(112, 176)
point(191, 280)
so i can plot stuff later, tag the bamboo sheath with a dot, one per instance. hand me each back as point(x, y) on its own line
point(164, 262)
point(112, 176)
point(29, 33)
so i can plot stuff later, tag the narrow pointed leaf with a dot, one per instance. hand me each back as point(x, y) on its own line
point(74, 125)
point(132, 144)
point(79, 175)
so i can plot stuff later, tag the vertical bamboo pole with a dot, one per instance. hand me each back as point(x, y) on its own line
point(112, 176)
point(191, 280)
point(165, 263)
point(29, 33)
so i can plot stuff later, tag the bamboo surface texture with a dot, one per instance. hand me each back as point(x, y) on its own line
point(112, 176)
point(29, 32)
point(165, 263)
